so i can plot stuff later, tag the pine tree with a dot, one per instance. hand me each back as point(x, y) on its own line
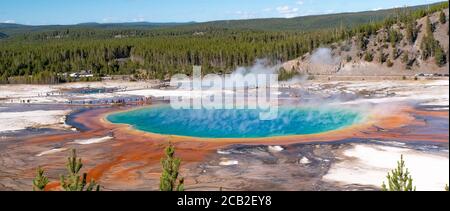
point(428, 26)
point(399, 179)
point(40, 181)
point(73, 181)
point(394, 37)
point(411, 32)
point(442, 17)
point(171, 165)
point(439, 56)
point(429, 44)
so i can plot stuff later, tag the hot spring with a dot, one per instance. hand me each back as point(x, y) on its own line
point(164, 120)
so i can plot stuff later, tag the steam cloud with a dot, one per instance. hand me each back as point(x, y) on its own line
point(324, 56)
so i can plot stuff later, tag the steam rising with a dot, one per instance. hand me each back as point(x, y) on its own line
point(324, 56)
point(261, 66)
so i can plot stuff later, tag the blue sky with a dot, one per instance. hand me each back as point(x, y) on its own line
point(41, 12)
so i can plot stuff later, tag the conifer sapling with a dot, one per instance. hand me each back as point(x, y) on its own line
point(171, 165)
point(399, 179)
point(40, 181)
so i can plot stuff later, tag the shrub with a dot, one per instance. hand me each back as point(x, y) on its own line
point(345, 48)
point(348, 58)
point(368, 57)
point(284, 75)
point(362, 42)
point(405, 58)
point(389, 63)
point(311, 77)
point(381, 57)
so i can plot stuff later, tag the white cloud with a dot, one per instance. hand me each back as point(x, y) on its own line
point(8, 21)
point(107, 20)
point(139, 19)
point(287, 11)
point(245, 15)
point(300, 2)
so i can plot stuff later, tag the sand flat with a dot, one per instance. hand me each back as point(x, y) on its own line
point(13, 121)
point(366, 164)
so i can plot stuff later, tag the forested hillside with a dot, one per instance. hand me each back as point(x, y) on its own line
point(309, 23)
point(2, 35)
point(413, 44)
point(42, 56)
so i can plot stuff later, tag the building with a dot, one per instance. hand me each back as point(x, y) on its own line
point(82, 74)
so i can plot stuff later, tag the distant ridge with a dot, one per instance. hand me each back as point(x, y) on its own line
point(132, 24)
point(305, 23)
point(312, 22)
point(14, 29)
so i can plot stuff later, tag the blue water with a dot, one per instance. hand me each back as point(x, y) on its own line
point(236, 123)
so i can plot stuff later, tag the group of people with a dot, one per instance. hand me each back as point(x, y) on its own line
point(110, 101)
point(114, 101)
point(28, 101)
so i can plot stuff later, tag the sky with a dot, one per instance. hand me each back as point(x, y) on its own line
point(45, 12)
